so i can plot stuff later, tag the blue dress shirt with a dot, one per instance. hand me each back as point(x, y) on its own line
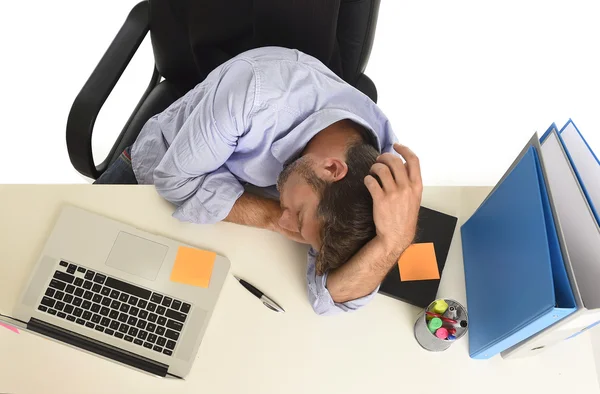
point(240, 126)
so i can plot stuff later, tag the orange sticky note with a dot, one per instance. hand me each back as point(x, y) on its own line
point(418, 262)
point(193, 266)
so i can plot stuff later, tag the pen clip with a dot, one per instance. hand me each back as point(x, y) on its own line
point(269, 306)
point(269, 303)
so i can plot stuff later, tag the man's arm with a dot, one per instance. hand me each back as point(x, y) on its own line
point(362, 273)
point(396, 203)
point(192, 174)
point(252, 210)
point(255, 211)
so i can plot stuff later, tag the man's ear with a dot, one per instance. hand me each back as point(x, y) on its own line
point(333, 169)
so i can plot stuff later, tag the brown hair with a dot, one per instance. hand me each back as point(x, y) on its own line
point(346, 210)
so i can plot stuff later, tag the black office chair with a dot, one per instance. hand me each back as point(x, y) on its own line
point(185, 51)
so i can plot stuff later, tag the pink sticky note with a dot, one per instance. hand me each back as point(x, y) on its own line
point(11, 328)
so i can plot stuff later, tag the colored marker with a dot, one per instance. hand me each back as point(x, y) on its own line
point(452, 331)
point(439, 306)
point(460, 324)
point(451, 338)
point(451, 313)
point(434, 324)
point(441, 333)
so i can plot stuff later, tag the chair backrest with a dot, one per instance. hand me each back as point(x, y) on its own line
point(192, 37)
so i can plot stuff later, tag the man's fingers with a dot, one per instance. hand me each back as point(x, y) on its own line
point(413, 166)
point(385, 175)
point(396, 166)
point(373, 187)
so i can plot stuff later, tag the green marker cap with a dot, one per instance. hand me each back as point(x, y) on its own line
point(434, 324)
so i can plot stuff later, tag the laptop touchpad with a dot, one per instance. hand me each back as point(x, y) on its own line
point(137, 256)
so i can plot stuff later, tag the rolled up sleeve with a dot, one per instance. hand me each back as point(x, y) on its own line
point(319, 296)
point(212, 201)
point(192, 174)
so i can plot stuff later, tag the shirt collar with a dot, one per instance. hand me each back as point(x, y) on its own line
point(291, 145)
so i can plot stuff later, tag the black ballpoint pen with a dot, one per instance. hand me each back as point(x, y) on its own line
point(269, 303)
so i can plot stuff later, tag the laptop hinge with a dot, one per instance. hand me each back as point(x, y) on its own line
point(97, 347)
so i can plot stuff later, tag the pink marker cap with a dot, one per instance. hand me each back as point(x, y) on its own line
point(441, 333)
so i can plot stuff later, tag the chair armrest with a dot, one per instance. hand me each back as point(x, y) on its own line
point(100, 84)
point(367, 86)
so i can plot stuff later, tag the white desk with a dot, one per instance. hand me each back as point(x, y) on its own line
point(248, 348)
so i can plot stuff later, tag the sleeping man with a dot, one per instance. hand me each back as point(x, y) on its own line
point(273, 139)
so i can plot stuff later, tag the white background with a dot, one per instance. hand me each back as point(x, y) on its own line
point(465, 84)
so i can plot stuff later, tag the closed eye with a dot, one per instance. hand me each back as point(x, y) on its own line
point(299, 219)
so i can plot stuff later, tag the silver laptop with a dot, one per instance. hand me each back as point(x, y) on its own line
point(105, 287)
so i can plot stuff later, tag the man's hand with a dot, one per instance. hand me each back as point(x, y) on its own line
point(397, 200)
point(396, 205)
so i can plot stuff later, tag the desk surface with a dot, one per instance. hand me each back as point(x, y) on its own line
point(248, 348)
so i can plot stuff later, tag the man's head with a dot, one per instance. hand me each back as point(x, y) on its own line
point(323, 195)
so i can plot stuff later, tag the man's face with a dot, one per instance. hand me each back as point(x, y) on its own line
point(299, 200)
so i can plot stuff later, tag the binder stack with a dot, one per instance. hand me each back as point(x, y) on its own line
point(532, 250)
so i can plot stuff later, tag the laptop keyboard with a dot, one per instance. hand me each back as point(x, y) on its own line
point(115, 308)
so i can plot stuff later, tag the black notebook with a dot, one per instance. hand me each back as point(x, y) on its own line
point(433, 226)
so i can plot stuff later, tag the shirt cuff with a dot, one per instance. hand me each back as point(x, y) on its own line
point(213, 201)
point(320, 298)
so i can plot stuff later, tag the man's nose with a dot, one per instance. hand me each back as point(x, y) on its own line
point(285, 221)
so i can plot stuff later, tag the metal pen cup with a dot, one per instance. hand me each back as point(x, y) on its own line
point(427, 340)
